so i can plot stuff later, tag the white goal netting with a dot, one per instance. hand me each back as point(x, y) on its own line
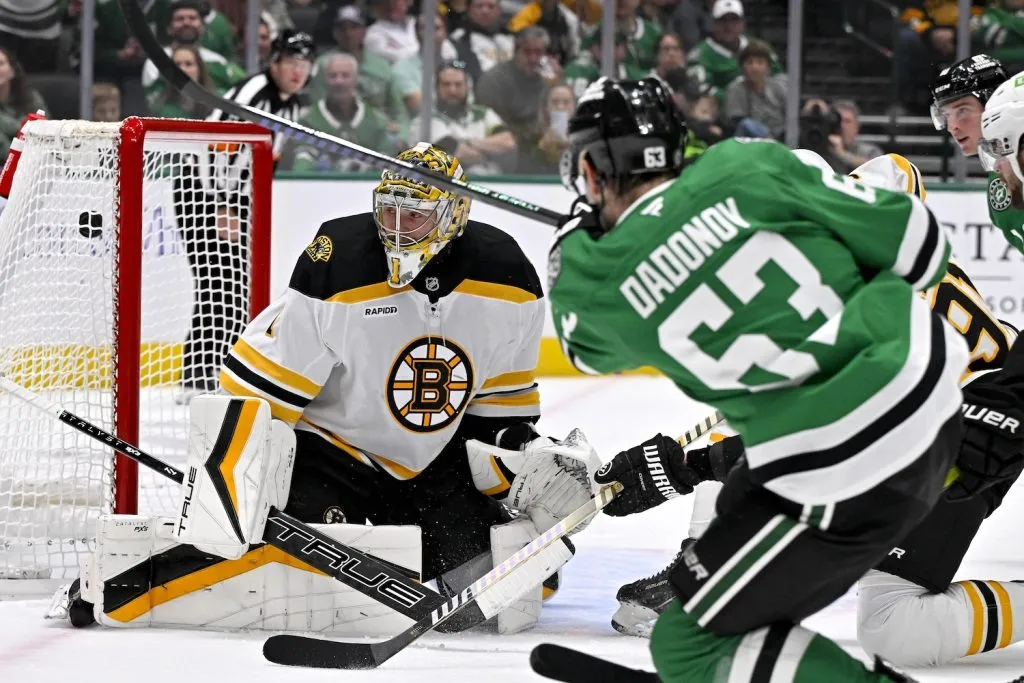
point(63, 319)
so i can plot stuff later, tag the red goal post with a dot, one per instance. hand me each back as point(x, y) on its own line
point(134, 133)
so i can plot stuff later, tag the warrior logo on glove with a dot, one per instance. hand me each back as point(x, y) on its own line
point(429, 384)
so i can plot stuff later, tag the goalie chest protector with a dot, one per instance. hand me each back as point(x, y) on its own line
point(387, 374)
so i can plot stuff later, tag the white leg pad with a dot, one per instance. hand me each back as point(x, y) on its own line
point(263, 590)
point(239, 466)
point(506, 539)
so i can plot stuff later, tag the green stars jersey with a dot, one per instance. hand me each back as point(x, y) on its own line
point(1000, 34)
point(714, 66)
point(641, 43)
point(366, 127)
point(583, 71)
point(786, 297)
point(1002, 214)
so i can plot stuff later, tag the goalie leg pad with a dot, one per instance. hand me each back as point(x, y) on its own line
point(140, 577)
point(506, 540)
point(239, 465)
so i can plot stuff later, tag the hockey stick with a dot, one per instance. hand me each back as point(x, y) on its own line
point(490, 594)
point(377, 579)
point(572, 666)
point(136, 19)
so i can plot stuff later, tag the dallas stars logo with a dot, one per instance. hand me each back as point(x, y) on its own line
point(998, 195)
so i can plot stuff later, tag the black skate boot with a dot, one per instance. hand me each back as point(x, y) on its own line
point(642, 601)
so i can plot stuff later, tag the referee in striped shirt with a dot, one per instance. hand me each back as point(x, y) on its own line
point(276, 88)
point(212, 202)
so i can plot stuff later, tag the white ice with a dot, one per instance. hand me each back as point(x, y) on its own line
point(615, 413)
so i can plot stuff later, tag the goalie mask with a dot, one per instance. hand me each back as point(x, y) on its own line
point(416, 220)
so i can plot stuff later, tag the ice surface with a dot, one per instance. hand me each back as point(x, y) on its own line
point(615, 413)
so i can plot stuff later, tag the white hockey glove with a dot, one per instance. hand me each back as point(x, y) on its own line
point(549, 479)
point(239, 465)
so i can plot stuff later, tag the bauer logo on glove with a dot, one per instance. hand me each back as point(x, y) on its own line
point(989, 417)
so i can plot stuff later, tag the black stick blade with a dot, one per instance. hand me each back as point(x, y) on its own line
point(319, 654)
point(572, 666)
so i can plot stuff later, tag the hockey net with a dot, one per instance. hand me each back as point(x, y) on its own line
point(131, 256)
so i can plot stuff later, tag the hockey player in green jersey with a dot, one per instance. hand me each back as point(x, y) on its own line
point(1001, 127)
point(959, 96)
point(909, 610)
point(787, 297)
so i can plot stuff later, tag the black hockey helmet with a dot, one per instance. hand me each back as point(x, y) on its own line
point(292, 43)
point(979, 76)
point(627, 129)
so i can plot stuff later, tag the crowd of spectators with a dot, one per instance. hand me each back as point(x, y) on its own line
point(508, 73)
point(926, 43)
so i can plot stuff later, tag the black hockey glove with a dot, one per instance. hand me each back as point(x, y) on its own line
point(992, 448)
point(715, 462)
point(582, 216)
point(650, 474)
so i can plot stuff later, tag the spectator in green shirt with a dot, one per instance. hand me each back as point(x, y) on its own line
point(17, 97)
point(185, 27)
point(999, 32)
point(343, 113)
point(169, 103)
point(713, 62)
point(119, 56)
point(587, 67)
point(375, 80)
point(641, 35)
point(219, 35)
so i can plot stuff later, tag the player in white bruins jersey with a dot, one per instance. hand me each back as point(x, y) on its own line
point(400, 365)
point(909, 610)
point(403, 334)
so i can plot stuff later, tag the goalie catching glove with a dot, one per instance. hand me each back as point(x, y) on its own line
point(659, 469)
point(536, 475)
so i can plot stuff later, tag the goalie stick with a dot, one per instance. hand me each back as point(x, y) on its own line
point(487, 596)
point(382, 581)
point(133, 14)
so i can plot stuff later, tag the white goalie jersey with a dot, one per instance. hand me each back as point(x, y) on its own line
point(387, 375)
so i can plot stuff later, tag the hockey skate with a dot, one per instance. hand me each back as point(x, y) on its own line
point(642, 601)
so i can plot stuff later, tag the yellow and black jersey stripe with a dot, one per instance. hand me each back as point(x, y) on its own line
point(957, 300)
point(507, 394)
point(247, 372)
point(991, 615)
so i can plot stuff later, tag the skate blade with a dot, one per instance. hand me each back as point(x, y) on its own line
point(634, 620)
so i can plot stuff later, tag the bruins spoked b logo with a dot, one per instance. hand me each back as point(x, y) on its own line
point(429, 384)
